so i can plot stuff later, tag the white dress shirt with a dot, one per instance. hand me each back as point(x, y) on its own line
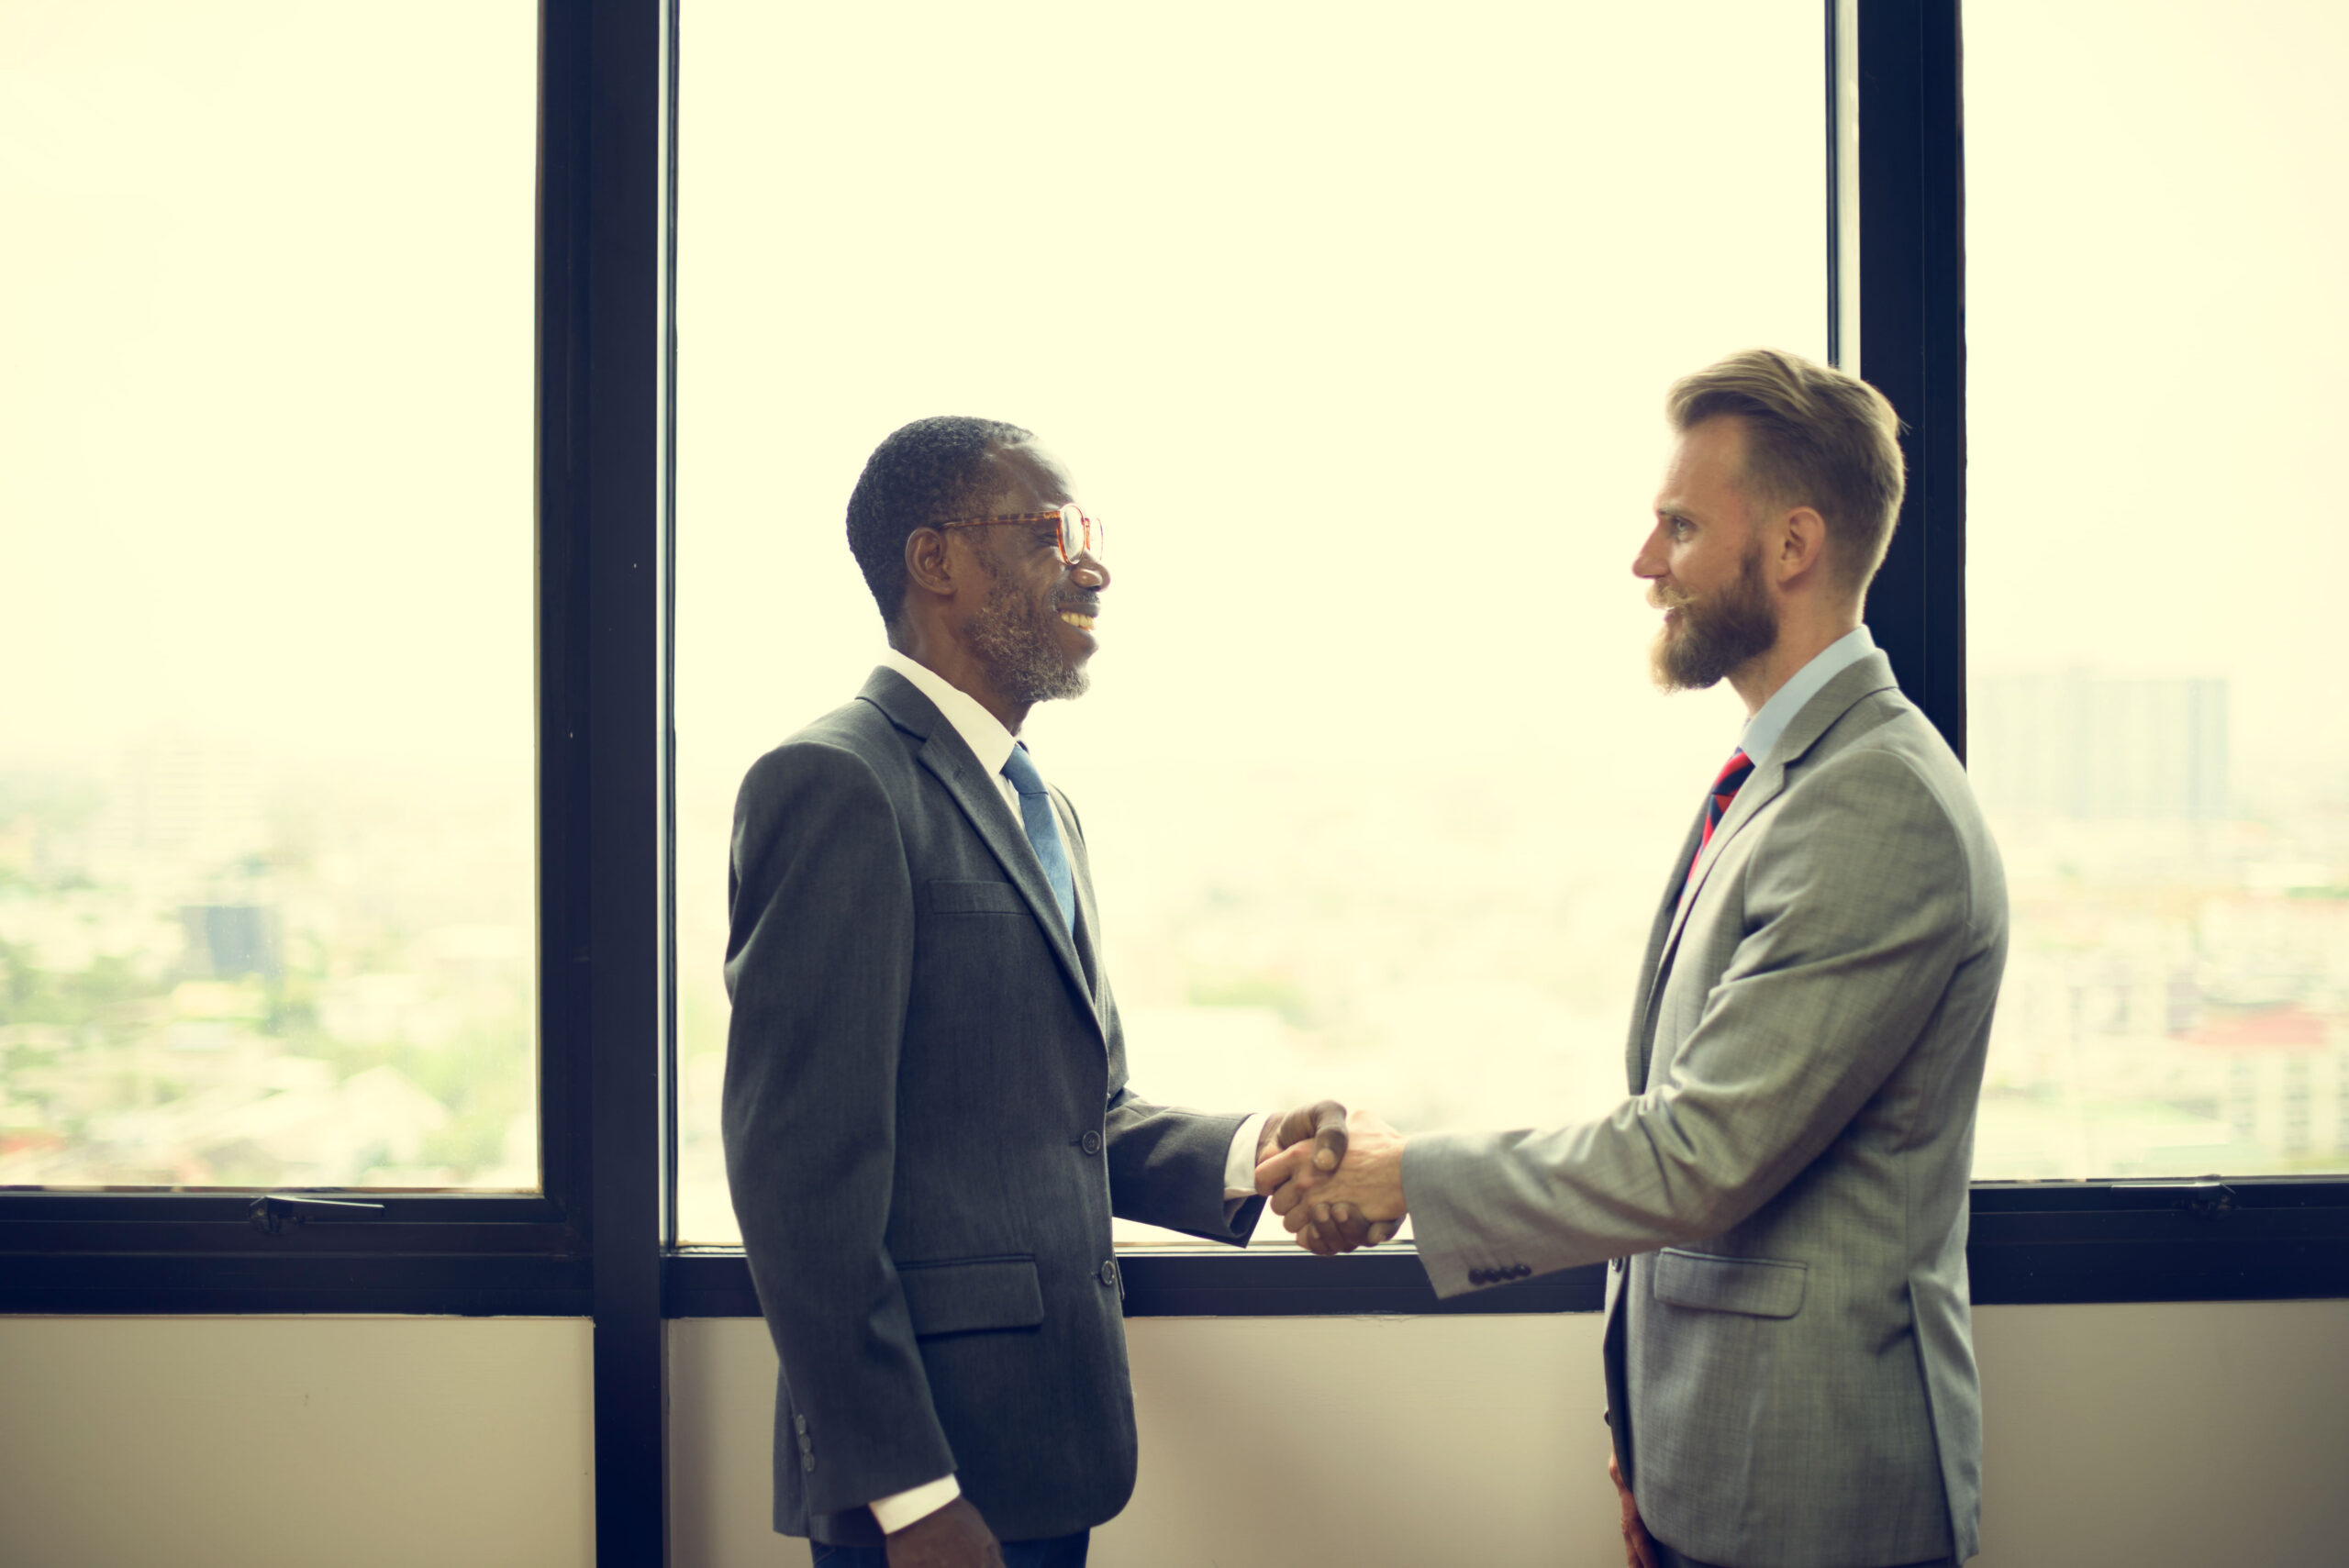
point(991, 743)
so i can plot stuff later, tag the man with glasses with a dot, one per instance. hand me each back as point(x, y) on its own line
point(1788, 1353)
point(926, 1120)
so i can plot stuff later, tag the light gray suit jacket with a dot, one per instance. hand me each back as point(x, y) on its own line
point(928, 1127)
point(1790, 1366)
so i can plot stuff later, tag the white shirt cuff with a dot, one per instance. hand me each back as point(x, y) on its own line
point(1240, 1167)
point(895, 1513)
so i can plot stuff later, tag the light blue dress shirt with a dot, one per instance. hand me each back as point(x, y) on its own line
point(1762, 732)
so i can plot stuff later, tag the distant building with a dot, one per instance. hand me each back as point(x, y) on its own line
point(230, 939)
point(2084, 745)
point(178, 807)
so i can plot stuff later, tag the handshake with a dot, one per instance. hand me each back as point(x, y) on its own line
point(1336, 1180)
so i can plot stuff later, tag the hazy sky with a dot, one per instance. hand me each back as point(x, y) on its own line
point(1353, 325)
point(2158, 212)
point(1351, 320)
point(266, 407)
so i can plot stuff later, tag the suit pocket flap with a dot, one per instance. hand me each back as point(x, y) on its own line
point(976, 898)
point(967, 1296)
point(1760, 1287)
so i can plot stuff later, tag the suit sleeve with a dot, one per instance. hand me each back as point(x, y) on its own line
point(818, 965)
point(1166, 1164)
point(1856, 908)
point(1166, 1168)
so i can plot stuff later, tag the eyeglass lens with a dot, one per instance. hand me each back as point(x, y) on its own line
point(1079, 533)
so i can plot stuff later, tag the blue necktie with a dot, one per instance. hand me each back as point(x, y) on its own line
point(1043, 831)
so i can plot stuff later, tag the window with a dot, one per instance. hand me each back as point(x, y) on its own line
point(1356, 326)
point(266, 838)
point(2156, 216)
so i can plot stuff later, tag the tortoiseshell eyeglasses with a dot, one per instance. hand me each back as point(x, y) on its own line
point(1076, 533)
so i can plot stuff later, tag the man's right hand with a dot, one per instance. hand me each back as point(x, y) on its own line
point(1639, 1547)
point(1334, 1206)
point(953, 1537)
point(1324, 1122)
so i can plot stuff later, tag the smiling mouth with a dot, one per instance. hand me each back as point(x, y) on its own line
point(1082, 622)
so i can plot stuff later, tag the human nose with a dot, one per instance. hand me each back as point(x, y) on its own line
point(1650, 562)
point(1087, 572)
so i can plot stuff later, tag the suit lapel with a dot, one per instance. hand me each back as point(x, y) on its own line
point(1765, 786)
point(1635, 1056)
point(982, 805)
point(1871, 674)
point(1088, 923)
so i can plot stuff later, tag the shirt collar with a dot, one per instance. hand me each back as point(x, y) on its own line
point(1762, 732)
point(989, 742)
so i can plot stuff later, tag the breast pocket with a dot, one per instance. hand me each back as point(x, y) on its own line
point(971, 1296)
point(1758, 1287)
point(975, 898)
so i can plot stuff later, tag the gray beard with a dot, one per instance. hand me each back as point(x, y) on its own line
point(1016, 639)
point(1718, 636)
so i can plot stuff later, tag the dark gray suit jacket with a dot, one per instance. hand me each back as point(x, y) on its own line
point(928, 1128)
point(1789, 1357)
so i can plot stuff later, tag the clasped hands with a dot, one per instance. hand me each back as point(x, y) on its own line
point(1335, 1179)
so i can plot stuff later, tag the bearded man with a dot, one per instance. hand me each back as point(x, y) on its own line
point(926, 1120)
point(1788, 1354)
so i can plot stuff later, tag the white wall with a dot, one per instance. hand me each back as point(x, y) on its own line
point(1462, 1439)
point(2161, 1435)
point(2188, 1434)
point(294, 1442)
point(2170, 1436)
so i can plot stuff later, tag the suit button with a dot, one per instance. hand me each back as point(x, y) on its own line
point(1109, 1272)
point(1090, 1143)
point(1480, 1276)
point(799, 1423)
point(805, 1446)
point(807, 1461)
point(1519, 1271)
point(1615, 1263)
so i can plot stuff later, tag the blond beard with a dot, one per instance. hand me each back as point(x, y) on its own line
point(1730, 627)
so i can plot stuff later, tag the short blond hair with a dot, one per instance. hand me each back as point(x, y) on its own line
point(1814, 437)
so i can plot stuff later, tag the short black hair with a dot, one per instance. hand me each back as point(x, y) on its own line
point(925, 473)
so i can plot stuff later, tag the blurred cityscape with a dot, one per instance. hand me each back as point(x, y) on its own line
point(2177, 998)
point(1462, 950)
point(214, 974)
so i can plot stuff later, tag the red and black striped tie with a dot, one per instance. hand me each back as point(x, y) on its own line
point(1734, 774)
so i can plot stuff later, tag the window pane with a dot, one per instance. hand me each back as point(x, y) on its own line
point(2159, 199)
point(266, 822)
point(1355, 324)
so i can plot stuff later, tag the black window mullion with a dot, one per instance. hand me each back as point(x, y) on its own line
point(601, 193)
point(1912, 335)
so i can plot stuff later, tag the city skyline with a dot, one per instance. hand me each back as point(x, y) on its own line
point(283, 985)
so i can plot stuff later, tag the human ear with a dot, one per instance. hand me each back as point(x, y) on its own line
point(928, 562)
point(1803, 542)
